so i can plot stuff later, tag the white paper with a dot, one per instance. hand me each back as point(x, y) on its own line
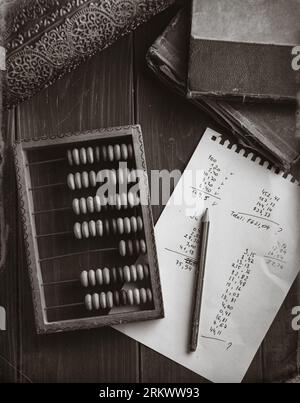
point(254, 216)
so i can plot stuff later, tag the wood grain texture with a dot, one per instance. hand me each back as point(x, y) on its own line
point(172, 129)
point(97, 95)
point(111, 90)
point(9, 346)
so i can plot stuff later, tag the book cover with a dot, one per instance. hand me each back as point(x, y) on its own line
point(243, 49)
point(268, 128)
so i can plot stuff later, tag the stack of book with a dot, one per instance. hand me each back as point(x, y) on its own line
point(234, 60)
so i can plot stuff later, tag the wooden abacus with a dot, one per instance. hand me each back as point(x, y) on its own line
point(92, 259)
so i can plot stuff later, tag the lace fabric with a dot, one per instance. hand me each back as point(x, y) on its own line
point(47, 38)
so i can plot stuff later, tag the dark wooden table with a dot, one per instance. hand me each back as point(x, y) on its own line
point(114, 88)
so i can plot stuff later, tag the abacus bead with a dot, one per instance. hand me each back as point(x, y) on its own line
point(114, 275)
point(143, 247)
point(92, 278)
point(96, 302)
point(130, 299)
point(69, 157)
point(146, 271)
point(107, 227)
point(137, 247)
point(130, 247)
point(118, 202)
point(97, 154)
point(83, 206)
point(90, 204)
point(106, 276)
point(140, 223)
point(122, 248)
point(131, 201)
point(83, 156)
point(127, 277)
point(140, 272)
point(149, 295)
point(123, 297)
point(136, 296)
point(85, 180)
point(124, 201)
point(130, 151)
point(84, 279)
point(116, 298)
point(92, 228)
point(78, 183)
point(77, 231)
point(133, 223)
point(71, 181)
point(99, 277)
point(104, 153)
point(127, 225)
point(110, 300)
point(90, 155)
point(93, 179)
point(120, 225)
point(133, 274)
point(85, 230)
point(97, 204)
point(110, 153)
point(114, 226)
point(120, 274)
point(76, 207)
point(117, 152)
point(89, 302)
point(76, 157)
point(143, 296)
point(103, 300)
point(99, 227)
point(124, 152)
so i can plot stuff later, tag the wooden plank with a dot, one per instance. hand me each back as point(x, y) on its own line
point(9, 371)
point(99, 94)
point(172, 129)
point(281, 345)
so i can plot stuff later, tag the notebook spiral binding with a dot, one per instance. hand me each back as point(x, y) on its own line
point(254, 158)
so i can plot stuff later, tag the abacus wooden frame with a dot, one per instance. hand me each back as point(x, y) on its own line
point(27, 207)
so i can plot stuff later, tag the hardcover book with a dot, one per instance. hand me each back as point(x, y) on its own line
point(268, 128)
point(243, 49)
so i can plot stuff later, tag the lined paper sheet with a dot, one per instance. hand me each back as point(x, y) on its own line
point(253, 258)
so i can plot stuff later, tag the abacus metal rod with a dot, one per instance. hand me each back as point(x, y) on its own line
point(65, 159)
point(58, 257)
point(47, 186)
point(62, 282)
point(52, 210)
point(62, 209)
point(64, 306)
point(46, 162)
point(54, 234)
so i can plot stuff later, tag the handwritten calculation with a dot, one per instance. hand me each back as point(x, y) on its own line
point(275, 258)
point(237, 281)
point(213, 183)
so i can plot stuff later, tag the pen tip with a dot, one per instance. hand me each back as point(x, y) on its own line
point(206, 216)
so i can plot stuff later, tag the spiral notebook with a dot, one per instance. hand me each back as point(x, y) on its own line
point(253, 259)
